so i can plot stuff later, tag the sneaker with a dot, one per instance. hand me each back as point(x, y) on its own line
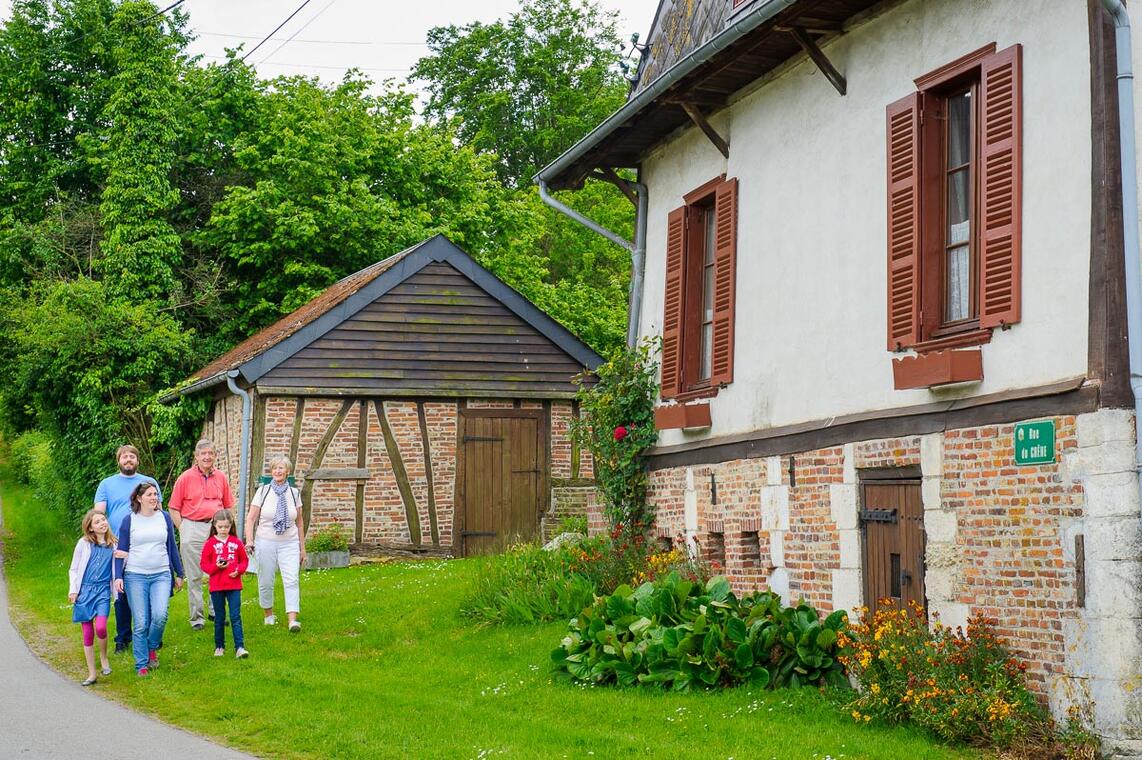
point(197, 626)
point(153, 659)
point(144, 672)
point(219, 652)
point(294, 627)
point(121, 648)
point(271, 620)
point(241, 654)
point(89, 682)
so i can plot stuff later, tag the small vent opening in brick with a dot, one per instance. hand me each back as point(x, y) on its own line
point(716, 548)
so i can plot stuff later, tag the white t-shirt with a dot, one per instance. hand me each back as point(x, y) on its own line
point(148, 554)
point(267, 501)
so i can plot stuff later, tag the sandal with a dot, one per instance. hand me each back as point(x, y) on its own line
point(89, 682)
point(106, 671)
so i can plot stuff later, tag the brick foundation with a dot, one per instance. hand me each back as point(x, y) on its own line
point(999, 541)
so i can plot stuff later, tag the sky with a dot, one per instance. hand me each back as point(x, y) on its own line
point(384, 38)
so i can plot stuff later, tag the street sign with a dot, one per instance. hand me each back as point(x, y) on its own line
point(1035, 442)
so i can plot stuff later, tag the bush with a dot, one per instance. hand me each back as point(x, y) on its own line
point(679, 634)
point(330, 538)
point(33, 463)
point(527, 584)
point(962, 687)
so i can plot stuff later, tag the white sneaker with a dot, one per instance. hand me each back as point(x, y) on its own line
point(271, 620)
point(241, 654)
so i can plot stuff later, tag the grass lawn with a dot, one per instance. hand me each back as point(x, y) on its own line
point(385, 667)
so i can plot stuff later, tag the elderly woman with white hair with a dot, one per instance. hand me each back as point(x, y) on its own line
point(278, 541)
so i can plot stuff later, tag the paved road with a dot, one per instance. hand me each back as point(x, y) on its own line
point(44, 716)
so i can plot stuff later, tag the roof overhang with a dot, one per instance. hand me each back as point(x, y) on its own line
point(754, 42)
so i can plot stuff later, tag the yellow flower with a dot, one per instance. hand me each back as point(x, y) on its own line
point(874, 688)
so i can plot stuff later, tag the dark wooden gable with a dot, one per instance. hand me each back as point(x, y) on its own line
point(435, 333)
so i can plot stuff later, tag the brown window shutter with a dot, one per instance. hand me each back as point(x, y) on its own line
point(673, 303)
point(904, 182)
point(1001, 127)
point(725, 281)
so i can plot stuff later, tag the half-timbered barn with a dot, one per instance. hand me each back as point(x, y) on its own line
point(425, 404)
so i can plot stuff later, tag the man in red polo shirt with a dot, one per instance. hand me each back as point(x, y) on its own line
point(198, 494)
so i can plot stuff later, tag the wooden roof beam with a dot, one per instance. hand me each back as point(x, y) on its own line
point(700, 121)
point(809, 45)
point(608, 174)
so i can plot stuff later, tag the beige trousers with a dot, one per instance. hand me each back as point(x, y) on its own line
point(192, 537)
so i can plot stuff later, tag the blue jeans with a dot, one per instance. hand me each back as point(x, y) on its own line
point(219, 600)
point(149, 597)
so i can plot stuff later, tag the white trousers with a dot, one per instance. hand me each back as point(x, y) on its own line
point(192, 536)
point(274, 557)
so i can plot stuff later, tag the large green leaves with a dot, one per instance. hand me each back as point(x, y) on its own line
point(679, 635)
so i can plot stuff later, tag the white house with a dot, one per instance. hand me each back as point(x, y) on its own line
point(884, 251)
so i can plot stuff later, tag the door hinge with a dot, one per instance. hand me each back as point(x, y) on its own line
point(468, 438)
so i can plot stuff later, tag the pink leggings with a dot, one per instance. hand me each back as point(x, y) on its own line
point(97, 627)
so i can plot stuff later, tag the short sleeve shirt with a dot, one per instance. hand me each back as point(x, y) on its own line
point(116, 492)
point(197, 497)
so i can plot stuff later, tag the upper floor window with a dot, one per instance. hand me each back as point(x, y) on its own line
point(698, 313)
point(954, 187)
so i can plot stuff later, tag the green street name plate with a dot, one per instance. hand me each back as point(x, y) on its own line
point(1035, 442)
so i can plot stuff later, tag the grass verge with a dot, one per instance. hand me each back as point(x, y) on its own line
point(386, 668)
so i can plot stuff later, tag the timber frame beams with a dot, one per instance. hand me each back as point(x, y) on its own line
point(809, 45)
point(700, 121)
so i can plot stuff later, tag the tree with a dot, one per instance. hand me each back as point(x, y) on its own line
point(527, 87)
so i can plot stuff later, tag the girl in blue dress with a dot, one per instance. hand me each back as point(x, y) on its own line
point(90, 588)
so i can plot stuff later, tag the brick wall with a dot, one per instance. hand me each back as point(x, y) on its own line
point(384, 521)
point(1009, 557)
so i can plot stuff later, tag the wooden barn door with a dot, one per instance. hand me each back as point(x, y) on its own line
point(504, 460)
point(892, 521)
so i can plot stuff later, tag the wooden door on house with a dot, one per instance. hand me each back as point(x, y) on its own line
point(504, 461)
point(892, 523)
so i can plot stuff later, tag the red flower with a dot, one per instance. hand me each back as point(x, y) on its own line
point(620, 433)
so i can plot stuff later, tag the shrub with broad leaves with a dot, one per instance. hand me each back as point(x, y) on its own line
point(679, 634)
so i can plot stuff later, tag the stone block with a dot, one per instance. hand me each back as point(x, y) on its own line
point(773, 471)
point(1111, 495)
point(850, 549)
point(777, 548)
point(848, 471)
point(1103, 459)
point(846, 589)
point(941, 556)
point(843, 505)
point(940, 525)
point(932, 455)
point(1113, 588)
point(1109, 649)
point(1066, 692)
point(930, 493)
point(779, 583)
point(775, 508)
point(1122, 749)
point(940, 583)
point(951, 614)
point(1117, 711)
point(1104, 426)
point(1112, 538)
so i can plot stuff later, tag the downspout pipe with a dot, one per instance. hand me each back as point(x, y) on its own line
point(637, 248)
point(1129, 165)
point(244, 447)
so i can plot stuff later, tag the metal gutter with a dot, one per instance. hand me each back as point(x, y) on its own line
point(745, 24)
point(637, 248)
point(1129, 166)
point(194, 387)
point(244, 448)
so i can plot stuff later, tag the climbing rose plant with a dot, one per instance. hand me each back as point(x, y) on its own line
point(617, 426)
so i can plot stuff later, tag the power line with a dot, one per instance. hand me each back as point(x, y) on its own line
point(277, 29)
point(299, 31)
point(313, 65)
point(316, 42)
point(138, 23)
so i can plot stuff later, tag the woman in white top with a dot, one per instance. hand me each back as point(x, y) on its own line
point(146, 564)
point(280, 540)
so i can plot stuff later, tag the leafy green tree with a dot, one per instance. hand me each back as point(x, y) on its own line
point(525, 88)
point(142, 249)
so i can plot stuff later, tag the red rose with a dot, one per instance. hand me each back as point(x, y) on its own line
point(620, 433)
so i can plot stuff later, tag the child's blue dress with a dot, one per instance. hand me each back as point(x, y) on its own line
point(95, 592)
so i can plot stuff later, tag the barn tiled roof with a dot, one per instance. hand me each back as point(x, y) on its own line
point(296, 320)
